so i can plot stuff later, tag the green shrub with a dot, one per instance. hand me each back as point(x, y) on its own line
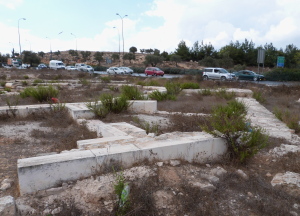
point(7, 89)
point(222, 93)
point(2, 84)
point(41, 93)
point(105, 79)
point(84, 82)
point(97, 108)
point(205, 92)
point(229, 122)
point(161, 96)
point(132, 93)
point(189, 86)
point(37, 81)
point(115, 105)
point(283, 74)
point(173, 88)
point(292, 121)
point(258, 96)
point(26, 77)
point(24, 83)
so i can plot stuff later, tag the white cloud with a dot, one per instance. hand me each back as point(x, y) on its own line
point(11, 4)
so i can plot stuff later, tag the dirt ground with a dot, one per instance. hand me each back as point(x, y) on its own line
point(164, 188)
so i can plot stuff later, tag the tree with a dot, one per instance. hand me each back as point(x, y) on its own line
point(156, 52)
point(129, 56)
point(41, 54)
point(57, 53)
point(175, 58)
point(153, 60)
point(3, 58)
point(73, 53)
point(183, 51)
point(133, 49)
point(85, 55)
point(30, 58)
point(149, 51)
point(290, 52)
point(13, 53)
point(98, 57)
point(115, 56)
point(142, 50)
point(165, 55)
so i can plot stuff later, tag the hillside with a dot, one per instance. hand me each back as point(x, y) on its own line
point(138, 62)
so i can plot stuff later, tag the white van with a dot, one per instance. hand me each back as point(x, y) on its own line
point(55, 64)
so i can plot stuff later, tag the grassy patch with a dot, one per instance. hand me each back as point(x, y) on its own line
point(41, 93)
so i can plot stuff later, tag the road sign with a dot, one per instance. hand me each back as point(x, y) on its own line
point(280, 61)
point(261, 56)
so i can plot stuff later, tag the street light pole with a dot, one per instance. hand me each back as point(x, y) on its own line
point(119, 45)
point(76, 40)
point(122, 29)
point(19, 34)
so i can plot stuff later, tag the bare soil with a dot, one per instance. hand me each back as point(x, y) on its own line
point(155, 189)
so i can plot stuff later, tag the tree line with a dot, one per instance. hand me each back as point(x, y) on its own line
point(235, 53)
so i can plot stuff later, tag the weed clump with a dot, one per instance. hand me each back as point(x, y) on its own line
point(41, 93)
point(242, 139)
point(259, 97)
point(189, 85)
point(132, 93)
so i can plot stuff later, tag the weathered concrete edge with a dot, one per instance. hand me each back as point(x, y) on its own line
point(39, 173)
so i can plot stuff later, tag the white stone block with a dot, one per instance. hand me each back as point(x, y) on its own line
point(103, 142)
point(38, 173)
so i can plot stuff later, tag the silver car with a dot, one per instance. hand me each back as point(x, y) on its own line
point(127, 70)
point(115, 70)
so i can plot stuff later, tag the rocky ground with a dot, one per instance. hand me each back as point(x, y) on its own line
point(268, 184)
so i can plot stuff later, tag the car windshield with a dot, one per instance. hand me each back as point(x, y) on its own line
point(157, 69)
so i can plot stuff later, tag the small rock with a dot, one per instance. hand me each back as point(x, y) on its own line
point(25, 209)
point(207, 165)
point(151, 135)
point(250, 194)
point(57, 210)
point(242, 174)
point(268, 174)
point(54, 191)
point(7, 206)
point(160, 164)
point(296, 206)
point(175, 162)
point(219, 171)
point(6, 184)
point(293, 213)
point(204, 186)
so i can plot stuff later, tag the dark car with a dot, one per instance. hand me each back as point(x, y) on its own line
point(154, 71)
point(41, 66)
point(248, 75)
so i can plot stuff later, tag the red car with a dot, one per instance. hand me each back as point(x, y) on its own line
point(154, 71)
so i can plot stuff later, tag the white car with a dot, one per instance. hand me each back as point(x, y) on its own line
point(71, 68)
point(127, 70)
point(115, 70)
point(87, 68)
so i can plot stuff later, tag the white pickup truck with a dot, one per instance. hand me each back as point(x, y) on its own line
point(217, 73)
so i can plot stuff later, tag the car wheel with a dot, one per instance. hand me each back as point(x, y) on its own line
point(205, 77)
point(155, 74)
point(223, 78)
point(237, 78)
point(146, 74)
point(255, 79)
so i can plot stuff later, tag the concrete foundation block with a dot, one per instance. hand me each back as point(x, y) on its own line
point(79, 111)
point(7, 206)
point(24, 111)
point(38, 173)
point(107, 130)
point(129, 129)
point(143, 106)
point(103, 142)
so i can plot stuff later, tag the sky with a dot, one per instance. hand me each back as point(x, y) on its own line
point(94, 25)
